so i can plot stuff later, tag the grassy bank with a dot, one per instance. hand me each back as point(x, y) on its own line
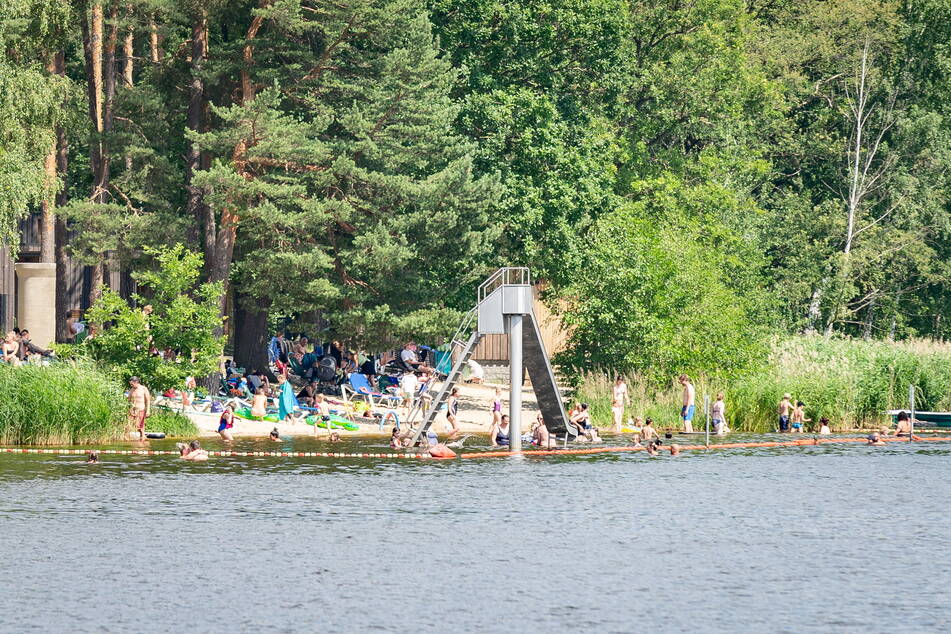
point(171, 423)
point(61, 403)
point(851, 382)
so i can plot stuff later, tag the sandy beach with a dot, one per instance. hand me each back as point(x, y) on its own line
point(475, 416)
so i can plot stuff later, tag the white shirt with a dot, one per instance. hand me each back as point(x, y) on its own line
point(409, 383)
point(408, 357)
point(475, 370)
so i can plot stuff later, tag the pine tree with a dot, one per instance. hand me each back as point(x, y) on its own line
point(339, 174)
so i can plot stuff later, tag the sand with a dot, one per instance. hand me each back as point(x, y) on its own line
point(475, 416)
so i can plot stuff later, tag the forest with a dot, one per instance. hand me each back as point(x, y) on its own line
point(693, 180)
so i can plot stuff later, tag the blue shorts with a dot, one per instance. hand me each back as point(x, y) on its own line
point(797, 425)
point(783, 423)
point(687, 413)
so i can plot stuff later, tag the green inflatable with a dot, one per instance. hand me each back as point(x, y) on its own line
point(335, 422)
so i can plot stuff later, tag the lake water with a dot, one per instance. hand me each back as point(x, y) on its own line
point(809, 539)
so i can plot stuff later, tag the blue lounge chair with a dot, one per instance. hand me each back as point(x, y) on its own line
point(360, 386)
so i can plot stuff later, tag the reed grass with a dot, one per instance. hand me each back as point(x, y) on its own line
point(851, 382)
point(171, 423)
point(72, 403)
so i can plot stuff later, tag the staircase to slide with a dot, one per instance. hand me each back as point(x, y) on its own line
point(504, 304)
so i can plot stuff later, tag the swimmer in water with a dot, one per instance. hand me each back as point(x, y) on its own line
point(824, 427)
point(395, 441)
point(275, 435)
point(653, 446)
point(903, 427)
point(540, 435)
point(648, 433)
point(875, 439)
point(192, 451)
point(92, 457)
point(334, 436)
point(674, 450)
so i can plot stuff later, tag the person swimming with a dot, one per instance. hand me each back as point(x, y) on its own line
point(653, 447)
point(275, 435)
point(674, 450)
point(192, 451)
point(499, 433)
point(395, 441)
point(92, 457)
point(875, 439)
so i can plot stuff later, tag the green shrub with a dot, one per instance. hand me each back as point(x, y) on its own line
point(850, 381)
point(70, 403)
point(170, 423)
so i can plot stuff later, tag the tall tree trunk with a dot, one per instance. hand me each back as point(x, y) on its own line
point(48, 218)
point(60, 229)
point(153, 41)
point(228, 227)
point(128, 52)
point(869, 320)
point(250, 338)
point(204, 220)
point(92, 26)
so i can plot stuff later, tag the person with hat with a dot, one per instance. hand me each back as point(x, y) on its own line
point(784, 407)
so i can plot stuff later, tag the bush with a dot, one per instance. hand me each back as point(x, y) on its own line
point(184, 318)
point(170, 423)
point(69, 403)
point(851, 382)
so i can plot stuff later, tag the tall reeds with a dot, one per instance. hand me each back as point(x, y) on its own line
point(851, 382)
point(70, 403)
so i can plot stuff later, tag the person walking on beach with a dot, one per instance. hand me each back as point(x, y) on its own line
point(452, 411)
point(618, 401)
point(784, 407)
point(140, 405)
point(686, 414)
point(718, 414)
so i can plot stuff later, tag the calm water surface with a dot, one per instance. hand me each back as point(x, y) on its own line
point(824, 539)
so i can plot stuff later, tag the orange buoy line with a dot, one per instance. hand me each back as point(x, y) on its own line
point(225, 454)
point(735, 445)
point(486, 454)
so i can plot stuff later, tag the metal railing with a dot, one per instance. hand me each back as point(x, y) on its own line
point(519, 275)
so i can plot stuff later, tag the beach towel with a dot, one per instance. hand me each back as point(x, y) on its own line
point(287, 401)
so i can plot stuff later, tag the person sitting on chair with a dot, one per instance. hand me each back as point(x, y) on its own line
point(410, 360)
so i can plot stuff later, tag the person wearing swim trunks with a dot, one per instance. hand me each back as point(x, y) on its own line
point(140, 405)
point(618, 401)
point(783, 410)
point(799, 419)
point(688, 409)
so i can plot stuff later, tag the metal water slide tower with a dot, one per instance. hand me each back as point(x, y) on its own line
point(505, 306)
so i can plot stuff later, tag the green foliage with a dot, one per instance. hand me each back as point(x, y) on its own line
point(171, 423)
point(663, 295)
point(63, 403)
point(850, 382)
point(184, 320)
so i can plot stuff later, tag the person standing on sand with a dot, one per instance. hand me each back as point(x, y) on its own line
point(140, 405)
point(687, 412)
point(452, 411)
point(783, 410)
point(497, 407)
point(618, 401)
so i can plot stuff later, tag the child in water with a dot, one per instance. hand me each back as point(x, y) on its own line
point(395, 441)
point(799, 419)
point(718, 414)
point(275, 435)
point(824, 426)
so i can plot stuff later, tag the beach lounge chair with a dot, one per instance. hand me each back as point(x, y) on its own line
point(360, 386)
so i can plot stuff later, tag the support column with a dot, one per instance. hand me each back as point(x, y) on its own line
point(36, 301)
point(515, 382)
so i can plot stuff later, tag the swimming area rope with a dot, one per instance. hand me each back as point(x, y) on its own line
point(475, 454)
